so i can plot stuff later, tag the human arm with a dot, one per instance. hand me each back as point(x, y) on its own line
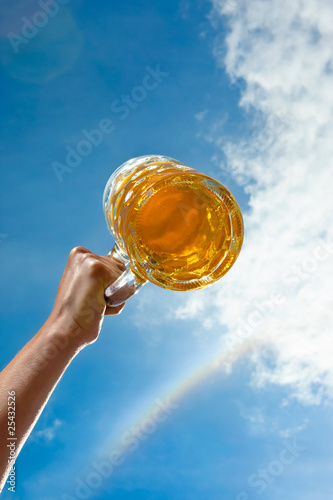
point(74, 323)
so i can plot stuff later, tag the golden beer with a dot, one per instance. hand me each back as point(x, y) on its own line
point(176, 227)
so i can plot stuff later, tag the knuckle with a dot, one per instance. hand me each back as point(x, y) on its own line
point(93, 266)
point(78, 251)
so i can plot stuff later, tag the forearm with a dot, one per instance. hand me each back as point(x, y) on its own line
point(75, 321)
point(33, 374)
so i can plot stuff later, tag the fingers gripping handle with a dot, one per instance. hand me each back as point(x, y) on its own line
point(126, 285)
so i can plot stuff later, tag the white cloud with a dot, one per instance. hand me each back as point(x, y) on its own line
point(49, 432)
point(201, 115)
point(292, 431)
point(282, 281)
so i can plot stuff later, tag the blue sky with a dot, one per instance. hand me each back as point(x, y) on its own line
point(245, 97)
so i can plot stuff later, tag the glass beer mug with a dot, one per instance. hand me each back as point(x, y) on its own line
point(172, 225)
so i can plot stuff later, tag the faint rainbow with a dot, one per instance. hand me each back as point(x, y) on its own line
point(179, 390)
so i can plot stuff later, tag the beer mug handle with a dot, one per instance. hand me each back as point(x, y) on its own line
point(126, 285)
